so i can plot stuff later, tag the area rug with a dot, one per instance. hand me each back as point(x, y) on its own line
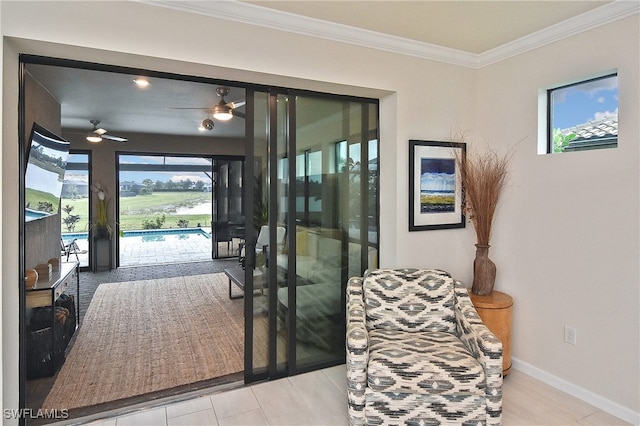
point(144, 336)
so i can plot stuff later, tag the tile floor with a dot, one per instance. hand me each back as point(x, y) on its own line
point(319, 398)
point(315, 398)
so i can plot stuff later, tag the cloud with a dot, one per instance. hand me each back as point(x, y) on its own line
point(192, 178)
point(603, 115)
point(592, 88)
point(438, 182)
point(600, 100)
point(160, 159)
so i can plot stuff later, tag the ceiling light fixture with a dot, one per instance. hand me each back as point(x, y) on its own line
point(142, 83)
point(207, 124)
point(94, 137)
point(222, 111)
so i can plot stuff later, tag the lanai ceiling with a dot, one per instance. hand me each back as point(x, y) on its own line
point(472, 27)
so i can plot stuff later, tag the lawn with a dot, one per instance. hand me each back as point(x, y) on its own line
point(134, 210)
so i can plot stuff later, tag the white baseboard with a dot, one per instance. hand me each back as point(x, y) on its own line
point(594, 399)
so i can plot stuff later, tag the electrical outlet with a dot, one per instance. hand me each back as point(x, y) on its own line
point(569, 335)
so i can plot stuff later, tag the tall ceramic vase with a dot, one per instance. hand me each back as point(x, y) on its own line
point(484, 271)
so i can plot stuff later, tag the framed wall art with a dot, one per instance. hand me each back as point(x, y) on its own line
point(435, 188)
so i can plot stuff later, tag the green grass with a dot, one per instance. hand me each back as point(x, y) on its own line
point(438, 199)
point(135, 209)
point(34, 196)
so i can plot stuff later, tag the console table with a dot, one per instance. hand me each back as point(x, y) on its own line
point(47, 354)
point(236, 275)
point(495, 311)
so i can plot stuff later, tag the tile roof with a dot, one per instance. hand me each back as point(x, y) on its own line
point(606, 128)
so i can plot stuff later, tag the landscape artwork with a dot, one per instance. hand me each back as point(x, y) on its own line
point(437, 185)
point(435, 188)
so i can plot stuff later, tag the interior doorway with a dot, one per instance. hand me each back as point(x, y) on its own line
point(309, 177)
point(164, 211)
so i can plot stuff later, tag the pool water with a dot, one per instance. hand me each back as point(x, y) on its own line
point(167, 235)
point(149, 235)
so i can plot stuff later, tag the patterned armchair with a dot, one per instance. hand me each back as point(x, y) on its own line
point(418, 353)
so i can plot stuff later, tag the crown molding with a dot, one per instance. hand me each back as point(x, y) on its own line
point(594, 18)
point(270, 18)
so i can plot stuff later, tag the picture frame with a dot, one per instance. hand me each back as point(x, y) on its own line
point(435, 187)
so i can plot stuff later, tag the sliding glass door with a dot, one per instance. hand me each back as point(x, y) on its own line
point(228, 208)
point(315, 169)
point(75, 209)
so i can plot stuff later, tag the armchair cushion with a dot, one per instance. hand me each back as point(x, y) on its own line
point(410, 300)
point(424, 363)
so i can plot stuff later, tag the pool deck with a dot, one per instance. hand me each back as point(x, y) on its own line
point(134, 252)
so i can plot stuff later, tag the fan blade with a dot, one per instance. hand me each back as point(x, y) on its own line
point(236, 104)
point(238, 113)
point(100, 131)
point(114, 138)
point(205, 108)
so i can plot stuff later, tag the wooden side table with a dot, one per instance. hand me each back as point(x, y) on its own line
point(495, 311)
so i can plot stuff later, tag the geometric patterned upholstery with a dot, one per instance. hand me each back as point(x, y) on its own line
point(424, 363)
point(418, 353)
point(417, 300)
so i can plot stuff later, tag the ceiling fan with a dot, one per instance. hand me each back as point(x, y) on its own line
point(98, 133)
point(223, 110)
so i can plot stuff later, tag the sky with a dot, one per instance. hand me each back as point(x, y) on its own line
point(580, 104)
point(163, 176)
point(437, 174)
point(155, 176)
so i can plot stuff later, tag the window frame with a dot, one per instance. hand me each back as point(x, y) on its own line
point(545, 112)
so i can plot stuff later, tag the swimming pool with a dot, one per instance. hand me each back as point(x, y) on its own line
point(150, 235)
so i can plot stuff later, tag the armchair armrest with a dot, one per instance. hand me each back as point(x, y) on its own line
point(357, 342)
point(485, 346)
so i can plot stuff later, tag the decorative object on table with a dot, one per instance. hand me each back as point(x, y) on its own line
point(101, 222)
point(55, 264)
point(44, 270)
point(30, 278)
point(435, 186)
point(483, 178)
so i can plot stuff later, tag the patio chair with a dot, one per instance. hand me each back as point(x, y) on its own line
point(222, 234)
point(262, 243)
point(71, 248)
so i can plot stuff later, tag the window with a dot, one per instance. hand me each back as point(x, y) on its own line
point(583, 115)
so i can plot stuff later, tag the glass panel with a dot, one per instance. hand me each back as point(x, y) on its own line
point(228, 222)
point(328, 194)
point(259, 297)
point(332, 176)
point(282, 152)
point(75, 209)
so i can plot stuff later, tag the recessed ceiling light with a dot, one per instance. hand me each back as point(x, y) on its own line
point(141, 82)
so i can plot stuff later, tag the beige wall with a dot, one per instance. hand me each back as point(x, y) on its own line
point(42, 237)
point(567, 236)
point(420, 99)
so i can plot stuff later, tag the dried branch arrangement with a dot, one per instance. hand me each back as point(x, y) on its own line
point(483, 177)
